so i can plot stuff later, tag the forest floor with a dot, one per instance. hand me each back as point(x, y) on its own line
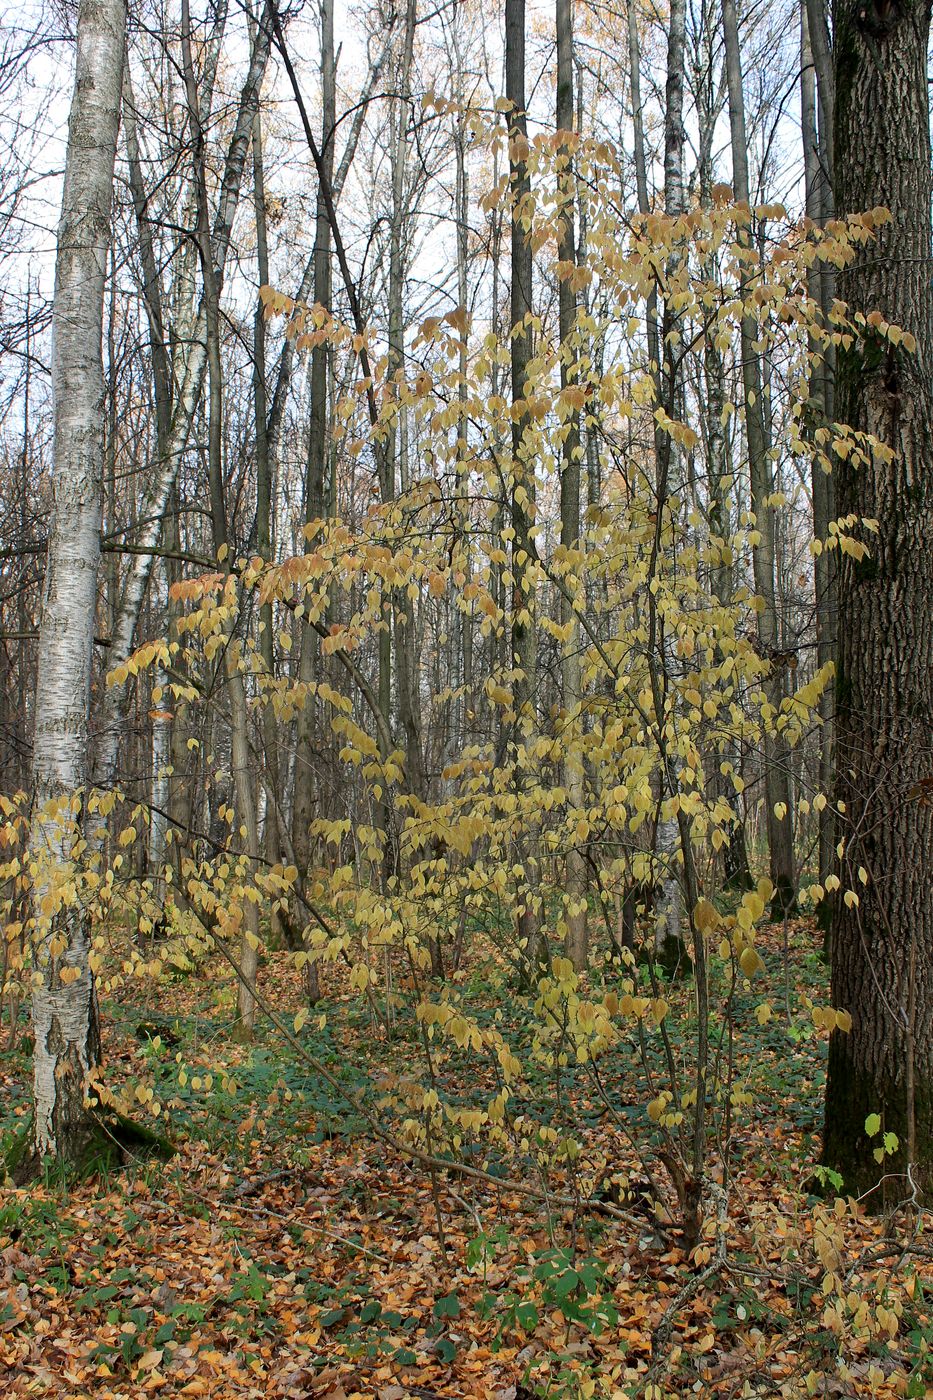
point(284, 1253)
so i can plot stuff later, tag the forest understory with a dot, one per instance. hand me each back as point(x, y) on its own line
point(283, 1252)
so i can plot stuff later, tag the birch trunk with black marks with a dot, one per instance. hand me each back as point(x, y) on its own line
point(669, 912)
point(265, 519)
point(883, 945)
point(64, 1008)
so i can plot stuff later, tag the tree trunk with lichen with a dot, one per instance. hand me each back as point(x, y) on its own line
point(64, 1008)
point(883, 944)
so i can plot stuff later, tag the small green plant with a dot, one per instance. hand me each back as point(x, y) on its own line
point(482, 1248)
point(889, 1141)
point(36, 1224)
point(827, 1178)
point(578, 1287)
point(558, 1281)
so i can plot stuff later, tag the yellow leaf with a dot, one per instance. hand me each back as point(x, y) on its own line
point(750, 962)
point(659, 1009)
point(705, 916)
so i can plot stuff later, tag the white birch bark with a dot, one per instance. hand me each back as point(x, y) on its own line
point(63, 1002)
point(159, 787)
point(669, 914)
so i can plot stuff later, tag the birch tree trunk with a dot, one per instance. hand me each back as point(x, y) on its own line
point(265, 487)
point(669, 914)
point(64, 1009)
point(883, 945)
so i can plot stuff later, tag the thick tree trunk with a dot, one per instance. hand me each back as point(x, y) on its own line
point(883, 946)
point(63, 1001)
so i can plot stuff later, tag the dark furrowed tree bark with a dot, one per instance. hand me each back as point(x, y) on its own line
point(883, 946)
